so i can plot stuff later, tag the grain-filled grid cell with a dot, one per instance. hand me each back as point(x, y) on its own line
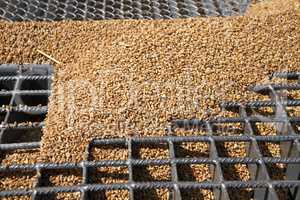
point(112, 195)
point(267, 128)
point(108, 151)
point(155, 150)
point(233, 128)
point(264, 111)
point(293, 111)
point(60, 177)
point(277, 171)
point(20, 156)
point(195, 172)
point(192, 149)
point(271, 149)
point(233, 149)
point(151, 173)
point(18, 180)
point(236, 172)
point(63, 196)
point(109, 175)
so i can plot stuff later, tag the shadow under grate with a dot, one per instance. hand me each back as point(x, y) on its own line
point(19, 10)
point(179, 170)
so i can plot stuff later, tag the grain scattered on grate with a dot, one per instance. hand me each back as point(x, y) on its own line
point(238, 172)
point(152, 173)
point(232, 149)
point(228, 129)
point(64, 177)
point(21, 157)
point(197, 194)
point(157, 194)
point(21, 180)
point(192, 149)
point(112, 153)
point(194, 172)
point(266, 128)
point(69, 196)
point(153, 151)
point(109, 175)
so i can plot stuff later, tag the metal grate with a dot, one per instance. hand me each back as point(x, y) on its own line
point(263, 183)
point(24, 91)
point(19, 10)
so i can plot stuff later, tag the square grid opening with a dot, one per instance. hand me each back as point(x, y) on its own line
point(111, 151)
point(192, 149)
point(152, 150)
point(231, 128)
point(60, 177)
point(17, 180)
point(233, 149)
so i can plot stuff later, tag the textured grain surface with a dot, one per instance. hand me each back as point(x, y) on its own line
point(20, 157)
point(17, 181)
point(267, 7)
point(138, 82)
point(147, 72)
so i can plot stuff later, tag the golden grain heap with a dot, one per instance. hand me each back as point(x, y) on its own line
point(123, 78)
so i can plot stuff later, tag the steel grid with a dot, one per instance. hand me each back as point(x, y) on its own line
point(262, 182)
point(24, 91)
point(49, 10)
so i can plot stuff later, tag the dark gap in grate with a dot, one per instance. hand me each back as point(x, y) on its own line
point(117, 152)
point(192, 149)
point(197, 194)
point(238, 194)
point(284, 193)
point(22, 112)
point(34, 84)
point(5, 100)
point(21, 136)
point(151, 173)
point(7, 85)
point(156, 194)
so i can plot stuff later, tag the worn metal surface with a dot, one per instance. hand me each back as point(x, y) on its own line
point(19, 10)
